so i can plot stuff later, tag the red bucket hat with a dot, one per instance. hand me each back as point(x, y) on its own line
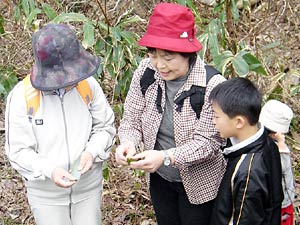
point(171, 27)
point(59, 58)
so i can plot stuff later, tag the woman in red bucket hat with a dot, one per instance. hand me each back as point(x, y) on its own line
point(181, 148)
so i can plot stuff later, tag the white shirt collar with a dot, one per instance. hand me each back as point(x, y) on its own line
point(238, 145)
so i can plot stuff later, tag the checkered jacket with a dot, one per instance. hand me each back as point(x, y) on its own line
point(197, 154)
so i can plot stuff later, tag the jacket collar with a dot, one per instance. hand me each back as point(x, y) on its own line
point(234, 149)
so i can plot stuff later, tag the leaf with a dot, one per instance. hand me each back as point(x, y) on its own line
point(272, 45)
point(74, 169)
point(88, 34)
point(25, 6)
point(17, 14)
point(50, 12)
point(116, 33)
point(203, 39)
point(213, 38)
point(69, 17)
point(240, 66)
point(254, 64)
point(31, 5)
point(2, 90)
point(31, 17)
point(105, 171)
point(222, 60)
point(295, 90)
point(235, 11)
point(2, 31)
point(99, 46)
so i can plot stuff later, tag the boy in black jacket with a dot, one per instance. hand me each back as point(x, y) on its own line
point(251, 191)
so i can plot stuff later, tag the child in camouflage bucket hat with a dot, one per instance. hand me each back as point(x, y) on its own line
point(64, 135)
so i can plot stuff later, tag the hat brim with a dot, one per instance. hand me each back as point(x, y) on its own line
point(71, 72)
point(171, 44)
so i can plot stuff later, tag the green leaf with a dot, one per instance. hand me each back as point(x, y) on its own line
point(219, 7)
point(240, 66)
point(222, 60)
point(235, 11)
point(295, 90)
point(99, 46)
point(17, 14)
point(50, 12)
point(2, 31)
point(116, 33)
point(254, 64)
point(105, 171)
point(203, 39)
point(70, 17)
point(31, 5)
point(88, 34)
point(272, 45)
point(31, 17)
point(130, 38)
point(25, 6)
point(213, 38)
point(2, 90)
point(124, 20)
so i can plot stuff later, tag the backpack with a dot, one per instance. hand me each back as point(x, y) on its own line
point(32, 95)
point(196, 93)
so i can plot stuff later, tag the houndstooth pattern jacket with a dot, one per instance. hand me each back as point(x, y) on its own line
point(197, 154)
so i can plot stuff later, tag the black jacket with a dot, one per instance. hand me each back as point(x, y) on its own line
point(251, 192)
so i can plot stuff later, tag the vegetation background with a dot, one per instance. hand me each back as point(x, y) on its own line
point(257, 40)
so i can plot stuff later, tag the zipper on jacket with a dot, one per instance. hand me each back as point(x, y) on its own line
point(66, 137)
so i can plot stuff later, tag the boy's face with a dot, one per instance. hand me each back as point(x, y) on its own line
point(225, 125)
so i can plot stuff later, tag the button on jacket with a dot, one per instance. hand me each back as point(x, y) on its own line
point(197, 154)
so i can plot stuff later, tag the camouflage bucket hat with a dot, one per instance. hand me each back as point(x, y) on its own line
point(60, 60)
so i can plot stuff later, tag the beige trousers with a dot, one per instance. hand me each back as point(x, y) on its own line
point(85, 212)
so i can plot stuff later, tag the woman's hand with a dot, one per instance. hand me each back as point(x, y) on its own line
point(124, 151)
point(149, 160)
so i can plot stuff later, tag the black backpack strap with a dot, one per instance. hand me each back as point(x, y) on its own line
point(196, 93)
point(147, 79)
point(210, 72)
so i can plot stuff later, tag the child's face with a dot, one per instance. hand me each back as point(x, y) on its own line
point(224, 124)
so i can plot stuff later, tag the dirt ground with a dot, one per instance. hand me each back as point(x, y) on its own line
point(125, 197)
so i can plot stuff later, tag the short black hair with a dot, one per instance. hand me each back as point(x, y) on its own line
point(238, 96)
point(192, 56)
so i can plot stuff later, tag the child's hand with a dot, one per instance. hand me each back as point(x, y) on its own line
point(86, 162)
point(280, 139)
point(62, 178)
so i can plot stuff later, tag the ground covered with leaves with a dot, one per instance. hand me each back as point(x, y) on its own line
point(125, 197)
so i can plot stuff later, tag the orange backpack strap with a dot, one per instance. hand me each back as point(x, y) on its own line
point(32, 97)
point(85, 92)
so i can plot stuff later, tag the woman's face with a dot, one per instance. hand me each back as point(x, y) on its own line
point(170, 65)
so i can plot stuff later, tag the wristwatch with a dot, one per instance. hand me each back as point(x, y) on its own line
point(167, 160)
